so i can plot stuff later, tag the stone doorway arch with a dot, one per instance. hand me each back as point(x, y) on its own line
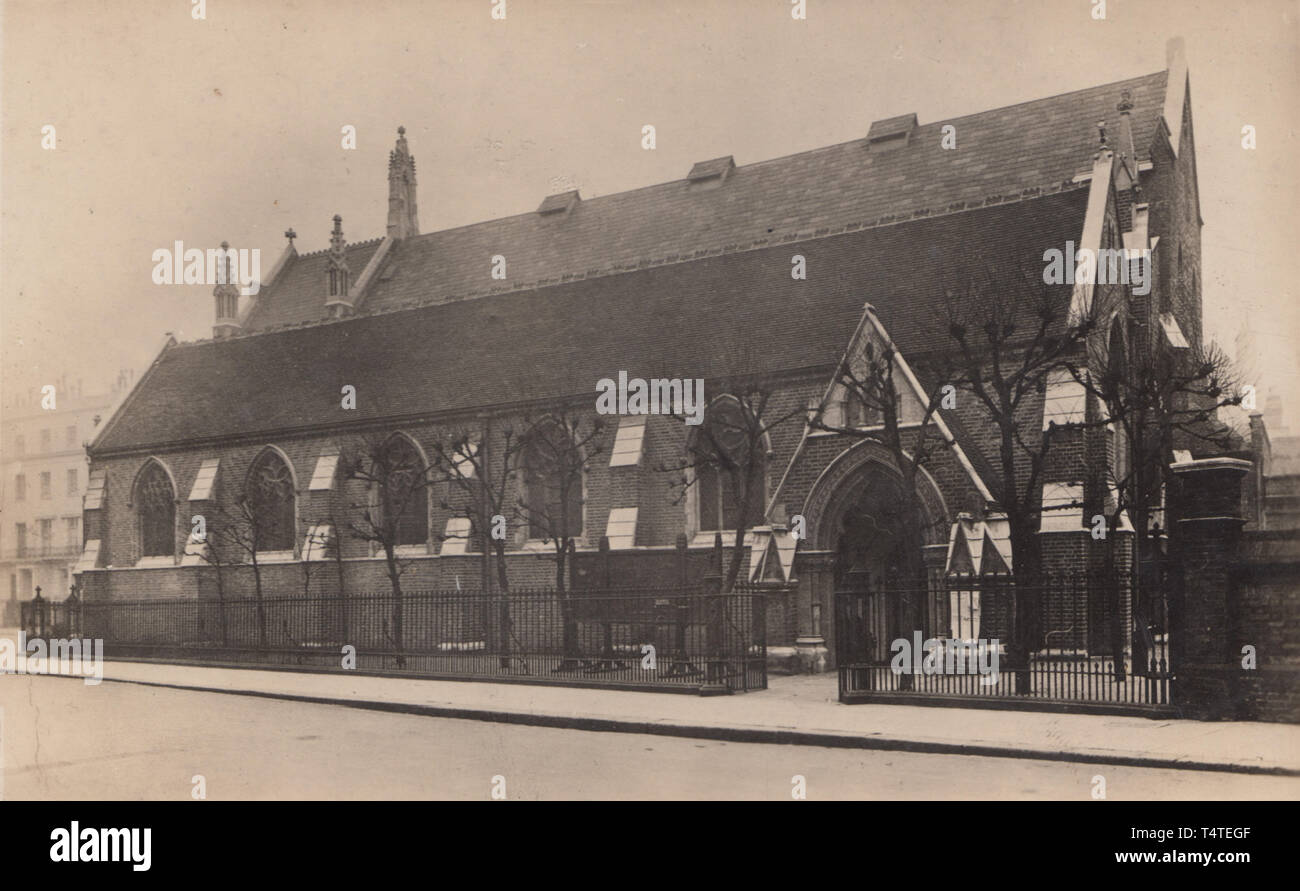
point(856, 532)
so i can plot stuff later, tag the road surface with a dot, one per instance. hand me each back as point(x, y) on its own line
point(68, 741)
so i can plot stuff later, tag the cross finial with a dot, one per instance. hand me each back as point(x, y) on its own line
point(1101, 128)
point(1125, 102)
point(291, 235)
point(401, 131)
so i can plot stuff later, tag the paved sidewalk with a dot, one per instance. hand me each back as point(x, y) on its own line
point(795, 710)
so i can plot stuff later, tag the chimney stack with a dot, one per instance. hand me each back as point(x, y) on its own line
point(403, 217)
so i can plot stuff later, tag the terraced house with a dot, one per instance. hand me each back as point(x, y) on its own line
point(776, 277)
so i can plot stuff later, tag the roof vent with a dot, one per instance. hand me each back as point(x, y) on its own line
point(891, 132)
point(561, 203)
point(711, 172)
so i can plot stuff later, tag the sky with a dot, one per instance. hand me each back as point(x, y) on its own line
point(229, 128)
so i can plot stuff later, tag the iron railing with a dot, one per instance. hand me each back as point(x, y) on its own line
point(50, 619)
point(653, 638)
point(1091, 641)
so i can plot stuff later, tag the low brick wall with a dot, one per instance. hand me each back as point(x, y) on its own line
point(315, 578)
point(1265, 605)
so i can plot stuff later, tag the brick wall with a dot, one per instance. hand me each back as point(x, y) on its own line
point(1265, 606)
point(664, 512)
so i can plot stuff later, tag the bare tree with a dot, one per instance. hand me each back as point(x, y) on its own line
point(481, 469)
point(396, 482)
point(235, 538)
point(212, 553)
point(314, 551)
point(1013, 335)
point(1010, 331)
point(1158, 398)
point(730, 450)
point(556, 451)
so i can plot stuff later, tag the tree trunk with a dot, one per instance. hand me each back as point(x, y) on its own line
point(737, 558)
point(1141, 584)
point(738, 546)
point(570, 633)
point(343, 600)
point(261, 607)
point(395, 580)
point(503, 606)
point(1025, 593)
point(221, 605)
point(1110, 578)
point(1024, 546)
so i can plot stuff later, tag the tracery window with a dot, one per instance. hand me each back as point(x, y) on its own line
point(403, 492)
point(553, 483)
point(155, 502)
point(271, 502)
point(720, 455)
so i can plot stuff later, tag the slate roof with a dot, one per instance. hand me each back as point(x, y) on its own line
point(1004, 152)
point(672, 320)
point(300, 291)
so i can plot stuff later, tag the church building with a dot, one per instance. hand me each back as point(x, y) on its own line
point(772, 271)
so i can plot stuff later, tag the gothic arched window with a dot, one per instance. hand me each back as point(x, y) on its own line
point(271, 502)
point(403, 493)
point(155, 504)
point(553, 467)
point(724, 470)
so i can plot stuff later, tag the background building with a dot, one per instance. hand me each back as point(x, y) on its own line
point(43, 456)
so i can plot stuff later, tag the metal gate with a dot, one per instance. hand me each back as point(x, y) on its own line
point(1092, 643)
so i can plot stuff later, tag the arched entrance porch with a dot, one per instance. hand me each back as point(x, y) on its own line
point(861, 537)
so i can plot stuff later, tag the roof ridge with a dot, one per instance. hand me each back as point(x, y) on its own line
point(935, 122)
point(350, 245)
point(1091, 89)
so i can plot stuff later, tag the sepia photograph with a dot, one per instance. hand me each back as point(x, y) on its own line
point(620, 401)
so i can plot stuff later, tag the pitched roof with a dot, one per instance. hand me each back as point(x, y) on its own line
point(1003, 152)
point(299, 292)
point(679, 320)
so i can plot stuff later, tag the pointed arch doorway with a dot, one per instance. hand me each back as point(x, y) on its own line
point(878, 562)
point(865, 543)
